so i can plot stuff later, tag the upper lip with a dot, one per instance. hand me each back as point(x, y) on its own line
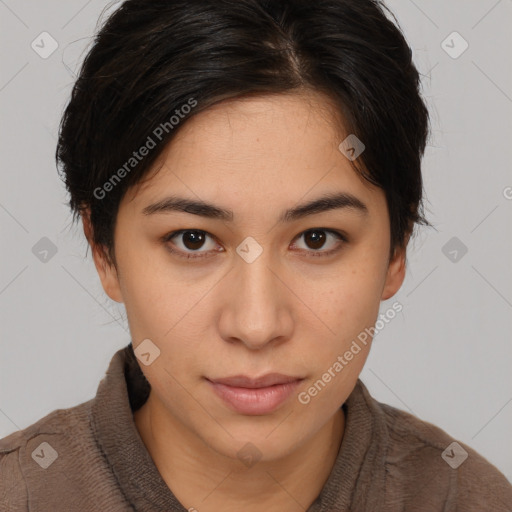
point(242, 381)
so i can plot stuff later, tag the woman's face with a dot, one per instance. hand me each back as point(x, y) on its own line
point(257, 291)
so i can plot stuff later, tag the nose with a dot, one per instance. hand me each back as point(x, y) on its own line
point(258, 309)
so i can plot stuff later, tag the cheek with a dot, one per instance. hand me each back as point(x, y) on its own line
point(169, 312)
point(351, 302)
point(154, 296)
point(336, 356)
point(337, 350)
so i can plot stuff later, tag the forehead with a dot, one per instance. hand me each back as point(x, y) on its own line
point(268, 148)
point(262, 125)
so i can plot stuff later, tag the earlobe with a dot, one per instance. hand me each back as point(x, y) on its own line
point(107, 271)
point(395, 275)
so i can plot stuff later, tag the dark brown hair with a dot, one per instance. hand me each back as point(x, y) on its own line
point(153, 60)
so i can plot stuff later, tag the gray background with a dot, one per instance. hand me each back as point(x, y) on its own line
point(446, 357)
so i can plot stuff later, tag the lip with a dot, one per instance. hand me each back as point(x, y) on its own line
point(242, 381)
point(255, 396)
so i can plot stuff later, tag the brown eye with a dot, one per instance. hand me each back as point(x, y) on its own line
point(193, 240)
point(316, 239)
point(189, 242)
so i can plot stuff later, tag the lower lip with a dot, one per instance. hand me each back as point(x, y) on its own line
point(255, 401)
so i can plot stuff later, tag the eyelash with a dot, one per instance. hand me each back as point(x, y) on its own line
point(166, 239)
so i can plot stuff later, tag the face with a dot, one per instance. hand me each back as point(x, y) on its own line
point(253, 291)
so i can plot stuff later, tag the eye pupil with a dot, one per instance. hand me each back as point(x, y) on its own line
point(317, 238)
point(195, 238)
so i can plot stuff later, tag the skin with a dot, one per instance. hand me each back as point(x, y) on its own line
point(288, 311)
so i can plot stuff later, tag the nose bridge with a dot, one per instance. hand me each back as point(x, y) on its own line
point(257, 311)
point(257, 281)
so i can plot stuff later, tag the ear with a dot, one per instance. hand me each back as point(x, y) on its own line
point(105, 268)
point(396, 272)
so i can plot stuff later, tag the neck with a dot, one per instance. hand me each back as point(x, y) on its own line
point(206, 481)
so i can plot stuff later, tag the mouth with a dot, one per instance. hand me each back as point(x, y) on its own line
point(265, 381)
point(255, 396)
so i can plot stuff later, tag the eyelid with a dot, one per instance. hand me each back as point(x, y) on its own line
point(197, 255)
point(187, 255)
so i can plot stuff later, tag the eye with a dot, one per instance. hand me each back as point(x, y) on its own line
point(316, 238)
point(190, 240)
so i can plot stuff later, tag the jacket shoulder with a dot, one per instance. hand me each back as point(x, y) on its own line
point(423, 461)
point(57, 422)
point(18, 447)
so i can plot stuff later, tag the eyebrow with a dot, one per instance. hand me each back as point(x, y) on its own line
point(332, 201)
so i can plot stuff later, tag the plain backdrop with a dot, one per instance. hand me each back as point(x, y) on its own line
point(446, 357)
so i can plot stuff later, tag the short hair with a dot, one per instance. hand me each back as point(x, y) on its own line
point(156, 63)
